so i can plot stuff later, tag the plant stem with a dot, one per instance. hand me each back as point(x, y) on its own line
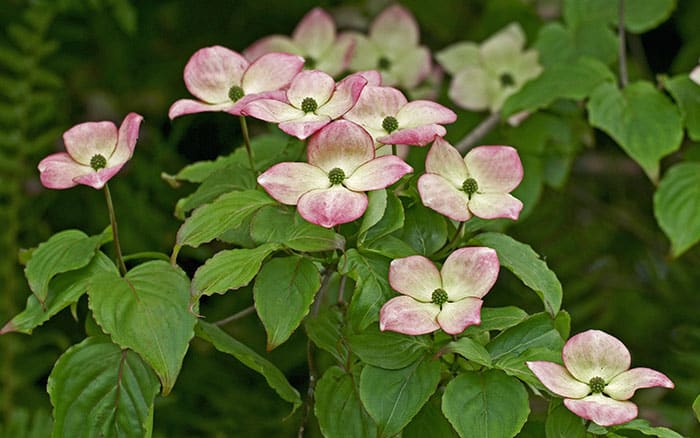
point(245, 312)
point(477, 133)
point(622, 57)
point(246, 141)
point(147, 255)
point(115, 232)
point(393, 149)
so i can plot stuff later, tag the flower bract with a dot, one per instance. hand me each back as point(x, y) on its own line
point(449, 299)
point(596, 380)
point(478, 184)
point(95, 152)
point(330, 188)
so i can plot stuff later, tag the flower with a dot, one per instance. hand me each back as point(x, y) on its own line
point(392, 48)
point(449, 299)
point(485, 76)
point(96, 151)
point(388, 116)
point(329, 189)
point(596, 381)
point(479, 185)
point(315, 39)
point(312, 101)
point(224, 81)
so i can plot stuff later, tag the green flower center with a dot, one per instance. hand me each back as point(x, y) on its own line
point(439, 297)
point(390, 124)
point(235, 93)
point(469, 186)
point(309, 105)
point(336, 176)
point(507, 80)
point(383, 63)
point(597, 385)
point(98, 162)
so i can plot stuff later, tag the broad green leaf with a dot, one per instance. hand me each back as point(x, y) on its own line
point(562, 423)
point(147, 311)
point(99, 390)
point(338, 408)
point(63, 252)
point(389, 350)
point(644, 15)
point(393, 397)
point(501, 318)
point(325, 330)
point(223, 342)
point(372, 290)
point(64, 290)
point(687, 94)
point(391, 220)
point(389, 246)
point(469, 349)
point(198, 172)
point(588, 22)
point(226, 212)
point(283, 292)
point(535, 332)
point(556, 82)
point(677, 206)
point(486, 405)
point(514, 365)
point(277, 224)
point(527, 265)
point(375, 210)
point(424, 229)
point(641, 119)
point(230, 269)
point(645, 428)
point(429, 422)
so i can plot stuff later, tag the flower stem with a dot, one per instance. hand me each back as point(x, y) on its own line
point(246, 141)
point(245, 312)
point(622, 56)
point(477, 133)
point(393, 149)
point(115, 232)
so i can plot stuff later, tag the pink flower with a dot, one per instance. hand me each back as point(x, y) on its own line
point(595, 380)
point(449, 299)
point(315, 39)
point(312, 101)
point(479, 185)
point(96, 151)
point(223, 80)
point(329, 189)
point(392, 48)
point(388, 116)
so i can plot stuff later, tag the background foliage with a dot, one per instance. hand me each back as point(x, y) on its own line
point(66, 61)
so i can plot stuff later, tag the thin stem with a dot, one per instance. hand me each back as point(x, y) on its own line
point(115, 232)
point(246, 141)
point(341, 290)
point(477, 133)
point(393, 149)
point(147, 255)
point(245, 312)
point(455, 238)
point(622, 57)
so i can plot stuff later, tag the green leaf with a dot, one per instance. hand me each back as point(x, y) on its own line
point(696, 407)
point(63, 252)
point(325, 330)
point(488, 404)
point(645, 428)
point(64, 290)
point(514, 365)
point(644, 15)
point(391, 220)
point(556, 82)
point(562, 423)
point(641, 119)
point(469, 349)
point(536, 331)
point(389, 246)
point(147, 311)
point(501, 318)
point(230, 269)
point(372, 290)
point(389, 350)
point(588, 22)
point(429, 422)
point(375, 210)
point(100, 390)
point(687, 94)
point(527, 265)
point(223, 342)
point(226, 212)
point(677, 206)
point(283, 291)
point(281, 225)
point(338, 408)
point(393, 397)
point(424, 229)
point(198, 172)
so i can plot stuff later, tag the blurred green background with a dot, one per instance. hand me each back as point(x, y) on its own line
point(67, 61)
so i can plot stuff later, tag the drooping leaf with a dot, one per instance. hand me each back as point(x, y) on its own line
point(389, 246)
point(280, 225)
point(687, 94)
point(527, 265)
point(393, 397)
point(372, 290)
point(225, 343)
point(536, 331)
point(99, 390)
point(500, 318)
point(338, 408)
point(375, 210)
point(645, 428)
point(391, 220)
point(677, 206)
point(562, 423)
point(424, 229)
point(148, 312)
point(326, 331)
point(230, 269)
point(641, 119)
point(644, 15)
point(389, 350)
point(283, 292)
point(430, 421)
point(485, 405)
point(469, 349)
